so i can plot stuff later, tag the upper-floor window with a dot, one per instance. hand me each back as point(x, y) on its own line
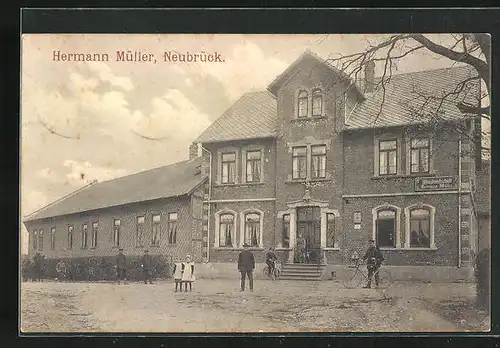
point(253, 166)
point(172, 228)
point(299, 162)
point(317, 103)
point(387, 157)
point(84, 236)
point(70, 236)
point(302, 104)
point(419, 156)
point(155, 229)
point(318, 161)
point(139, 230)
point(95, 227)
point(116, 232)
point(52, 238)
point(228, 168)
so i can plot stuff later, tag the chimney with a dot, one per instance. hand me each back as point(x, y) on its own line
point(193, 151)
point(369, 76)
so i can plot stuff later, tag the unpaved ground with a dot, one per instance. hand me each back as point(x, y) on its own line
point(218, 306)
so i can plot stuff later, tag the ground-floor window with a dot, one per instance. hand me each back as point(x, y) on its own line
point(95, 226)
point(116, 232)
point(52, 238)
point(330, 230)
point(286, 231)
point(40, 240)
point(35, 240)
point(172, 228)
point(226, 230)
point(70, 236)
point(155, 230)
point(386, 228)
point(420, 228)
point(252, 229)
point(84, 235)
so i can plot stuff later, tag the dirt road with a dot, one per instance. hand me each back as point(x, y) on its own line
point(218, 306)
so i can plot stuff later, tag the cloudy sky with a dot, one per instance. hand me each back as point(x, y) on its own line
point(83, 121)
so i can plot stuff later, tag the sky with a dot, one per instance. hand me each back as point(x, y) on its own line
point(85, 121)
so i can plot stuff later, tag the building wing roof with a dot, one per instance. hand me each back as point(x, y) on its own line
point(169, 181)
point(251, 116)
point(405, 95)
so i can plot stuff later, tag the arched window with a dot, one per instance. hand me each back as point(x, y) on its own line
point(226, 230)
point(317, 103)
point(385, 234)
point(420, 228)
point(35, 240)
point(252, 229)
point(302, 103)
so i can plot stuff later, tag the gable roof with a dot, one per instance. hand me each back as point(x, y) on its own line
point(169, 181)
point(251, 116)
point(402, 99)
point(280, 79)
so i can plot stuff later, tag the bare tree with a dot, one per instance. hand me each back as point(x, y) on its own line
point(470, 49)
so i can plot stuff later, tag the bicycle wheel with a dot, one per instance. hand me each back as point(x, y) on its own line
point(277, 273)
point(265, 271)
point(385, 279)
point(351, 278)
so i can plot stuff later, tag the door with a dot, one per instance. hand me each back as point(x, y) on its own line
point(309, 228)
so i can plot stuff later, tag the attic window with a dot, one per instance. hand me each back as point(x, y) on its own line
point(317, 103)
point(302, 102)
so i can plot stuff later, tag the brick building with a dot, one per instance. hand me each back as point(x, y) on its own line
point(315, 156)
point(158, 210)
point(336, 163)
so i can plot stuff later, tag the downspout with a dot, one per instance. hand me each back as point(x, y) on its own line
point(209, 201)
point(459, 202)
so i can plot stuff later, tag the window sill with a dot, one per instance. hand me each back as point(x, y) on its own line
point(303, 181)
point(309, 118)
point(407, 249)
point(332, 249)
point(93, 248)
point(402, 176)
point(283, 249)
point(239, 249)
point(240, 184)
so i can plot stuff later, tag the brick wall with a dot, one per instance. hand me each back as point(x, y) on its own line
point(127, 215)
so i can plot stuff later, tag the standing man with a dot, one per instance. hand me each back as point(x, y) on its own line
point(246, 265)
point(120, 266)
point(374, 258)
point(37, 265)
point(147, 265)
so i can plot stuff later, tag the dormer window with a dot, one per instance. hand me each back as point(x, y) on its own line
point(317, 103)
point(303, 99)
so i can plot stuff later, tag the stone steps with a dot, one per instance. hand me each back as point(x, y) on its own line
point(300, 271)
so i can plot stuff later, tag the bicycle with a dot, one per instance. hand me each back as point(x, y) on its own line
point(355, 275)
point(277, 271)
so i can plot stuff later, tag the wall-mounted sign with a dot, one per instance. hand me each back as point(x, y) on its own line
point(357, 217)
point(436, 183)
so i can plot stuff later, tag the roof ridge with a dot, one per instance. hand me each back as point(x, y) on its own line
point(150, 169)
point(428, 70)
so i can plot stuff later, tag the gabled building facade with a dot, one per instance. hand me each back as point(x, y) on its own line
point(319, 157)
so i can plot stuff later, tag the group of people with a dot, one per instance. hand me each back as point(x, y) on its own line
point(33, 269)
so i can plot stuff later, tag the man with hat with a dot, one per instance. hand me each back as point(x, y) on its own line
point(246, 265)
point(374, 258)
point(147, 265)
point(120, 266)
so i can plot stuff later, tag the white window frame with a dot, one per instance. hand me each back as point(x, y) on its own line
point(115, 240)
point(217, 228)
point(153, 224)
point(85, 235)
point(244, 163)
point(169, 225)
point(309, 91)
point(376, 159)
point(220, 152)
point(52, 238)
point(243, 226)
point(388, 206)
point(408, 155)
point(95, 232)
point(432, 210)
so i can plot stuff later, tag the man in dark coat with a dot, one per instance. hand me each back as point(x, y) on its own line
point(147, 267)
point(246, 265)
point(37, 266)
point(374, 258)
point(120, 266)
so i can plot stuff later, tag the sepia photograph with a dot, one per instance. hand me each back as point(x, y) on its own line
point(262, 183)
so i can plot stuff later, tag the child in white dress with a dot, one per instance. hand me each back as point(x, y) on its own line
point(188, 273)
point(178, 275)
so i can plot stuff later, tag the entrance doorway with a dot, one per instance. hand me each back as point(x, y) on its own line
point(308, 235)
